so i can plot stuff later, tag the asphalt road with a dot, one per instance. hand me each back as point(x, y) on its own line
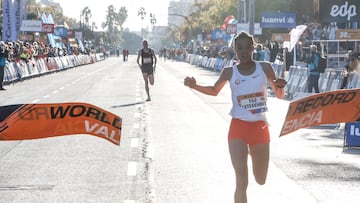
point(173, 149)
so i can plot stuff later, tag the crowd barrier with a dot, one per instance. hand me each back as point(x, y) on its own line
point(297, 76)
point(17, 71)
point(214, 64)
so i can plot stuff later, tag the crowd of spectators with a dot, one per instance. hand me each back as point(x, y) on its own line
point(315, 31)
point(27, 51)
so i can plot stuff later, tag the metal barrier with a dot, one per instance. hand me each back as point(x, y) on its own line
point(15, 71)
point(297, 76)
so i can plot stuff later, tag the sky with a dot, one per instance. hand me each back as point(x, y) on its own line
point(72, 8)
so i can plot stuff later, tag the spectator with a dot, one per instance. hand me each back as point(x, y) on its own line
point(4, 54)
point(314, 75)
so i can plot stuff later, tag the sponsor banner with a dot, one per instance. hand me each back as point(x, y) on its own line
point(31, 26)
point(71, 33)
point(78, 35)
point(278, 20)
point(8, 24)
point(339, 10)
point(245, 27)
point(61, 32)
point(352, 134)
point(280, 37)
point(348, 34)
point(218, 34)
point(19, 7)
point(324, 108)
point(34, 121)
point(48, 28)
point(231, 28)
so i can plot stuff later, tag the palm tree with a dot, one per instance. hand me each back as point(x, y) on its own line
point(113, 24)
point(86, 14)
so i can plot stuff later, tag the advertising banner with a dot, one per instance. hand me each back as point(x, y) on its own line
point(352, 136)
point(34, 121)
point(8, 24)
point(245, 27)
point(48, 28)
point(278, 20)
point(19, 12)
point(280, 37)
point(218, 34)
point(348, 34)
point(61, 31)
point(339, 11)
point(31, 26)
point(324, 108)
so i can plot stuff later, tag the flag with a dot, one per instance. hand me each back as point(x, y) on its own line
point(295, 34)
point(323, 108)
point(34, 121)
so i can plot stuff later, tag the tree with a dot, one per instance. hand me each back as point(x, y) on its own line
point(34, 10)
point(86, 16)
point(113, 25)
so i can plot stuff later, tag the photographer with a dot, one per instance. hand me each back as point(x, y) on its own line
point(4, 54)
point(314, 75)
point(351, 67)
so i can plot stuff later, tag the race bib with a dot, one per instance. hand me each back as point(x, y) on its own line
point(147, 60)
point(255, 103)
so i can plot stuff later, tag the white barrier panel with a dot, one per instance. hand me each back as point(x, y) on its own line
point(19, 70)
point(10, 72)
point(297, 76)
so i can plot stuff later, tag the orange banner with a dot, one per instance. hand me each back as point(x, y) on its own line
point(34, 121)
point(324, 108)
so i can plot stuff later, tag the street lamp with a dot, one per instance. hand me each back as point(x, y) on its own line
point(142, 14)
point(152, 20)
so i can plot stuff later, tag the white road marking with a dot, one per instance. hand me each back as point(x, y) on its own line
point(132, 168)
point(136, 125)
point(137, 115)
point(134, 142)
point(47, 96)
point(129, 201)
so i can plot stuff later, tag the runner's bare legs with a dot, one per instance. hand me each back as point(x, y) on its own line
point(239, 156)
point(239, 151)
point(148, 78)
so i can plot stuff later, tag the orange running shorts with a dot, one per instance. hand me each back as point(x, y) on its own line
point(252, 133)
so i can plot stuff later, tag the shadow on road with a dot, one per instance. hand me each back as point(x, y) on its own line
point(127, 105)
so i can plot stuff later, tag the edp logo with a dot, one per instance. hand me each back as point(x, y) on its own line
point(343, 10)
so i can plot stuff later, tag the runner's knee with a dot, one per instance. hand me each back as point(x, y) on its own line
point(260, 180)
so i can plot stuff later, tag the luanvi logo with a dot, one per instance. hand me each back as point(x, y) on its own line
point(344, 10)
point(354, 131)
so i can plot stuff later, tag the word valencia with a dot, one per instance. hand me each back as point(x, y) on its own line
point(101, 130)
point(308, 119)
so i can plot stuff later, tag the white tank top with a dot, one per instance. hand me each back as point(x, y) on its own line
point(249, 94)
